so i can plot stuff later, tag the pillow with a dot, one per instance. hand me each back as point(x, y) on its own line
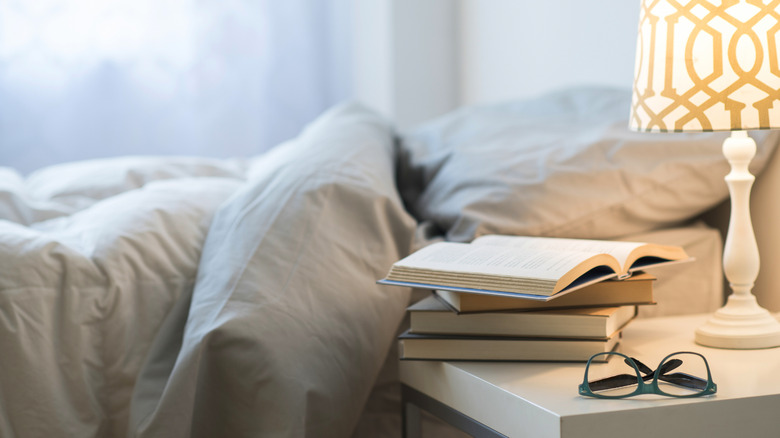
point(287, 328)
point(564, 164)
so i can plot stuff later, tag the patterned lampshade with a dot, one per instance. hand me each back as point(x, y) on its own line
point(707, 65)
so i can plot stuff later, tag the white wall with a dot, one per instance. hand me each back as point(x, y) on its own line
point(416, 59)
point(404, 57)
point(519, 48)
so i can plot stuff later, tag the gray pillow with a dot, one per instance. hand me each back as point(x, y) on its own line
point(564, 164)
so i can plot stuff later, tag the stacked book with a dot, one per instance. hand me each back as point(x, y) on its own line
point(511, 298)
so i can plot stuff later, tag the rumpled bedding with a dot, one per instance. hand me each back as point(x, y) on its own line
point(188, 297)
point(172, 297)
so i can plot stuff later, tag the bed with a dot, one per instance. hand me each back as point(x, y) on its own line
point(176, 296)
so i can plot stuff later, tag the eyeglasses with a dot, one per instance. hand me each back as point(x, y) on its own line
point(687, 380)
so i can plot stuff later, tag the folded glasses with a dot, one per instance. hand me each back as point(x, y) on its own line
point(681, 374)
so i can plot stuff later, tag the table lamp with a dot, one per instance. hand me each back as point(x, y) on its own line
point(712, 65)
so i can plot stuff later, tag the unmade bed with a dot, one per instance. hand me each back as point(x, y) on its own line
point(175, 296)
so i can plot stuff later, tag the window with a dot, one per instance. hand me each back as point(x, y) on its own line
point(95, 78)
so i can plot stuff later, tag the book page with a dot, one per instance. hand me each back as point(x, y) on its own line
point(494, 260)
point(619, 250)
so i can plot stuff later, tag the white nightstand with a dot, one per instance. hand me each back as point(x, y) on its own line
point(540, 399)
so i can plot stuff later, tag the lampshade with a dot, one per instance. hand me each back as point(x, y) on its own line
point(711, 65)
point(707, 65)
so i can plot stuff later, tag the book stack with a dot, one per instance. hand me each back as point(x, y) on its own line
point(511, 298)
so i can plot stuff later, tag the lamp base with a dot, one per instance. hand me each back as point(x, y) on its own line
point(740, 324)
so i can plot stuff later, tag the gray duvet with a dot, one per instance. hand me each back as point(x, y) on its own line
point(171, 297)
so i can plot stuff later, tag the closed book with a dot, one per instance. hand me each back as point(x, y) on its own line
point(635, 290)
point(430, 315)
point(496, 348)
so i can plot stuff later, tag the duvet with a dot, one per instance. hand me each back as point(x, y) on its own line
point(172, 297)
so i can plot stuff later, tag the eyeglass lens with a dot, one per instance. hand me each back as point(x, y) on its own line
point(687, 378)
point(613, 379)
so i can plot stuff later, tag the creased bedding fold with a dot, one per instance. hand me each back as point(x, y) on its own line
point(81, 297)
point(287, 329)
point(199, 297)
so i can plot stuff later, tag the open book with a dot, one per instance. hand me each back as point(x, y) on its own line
point(530, 267)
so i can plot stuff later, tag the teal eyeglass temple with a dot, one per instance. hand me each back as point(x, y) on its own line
point(644, 373)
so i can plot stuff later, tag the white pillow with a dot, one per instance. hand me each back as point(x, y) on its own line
point(564, 164)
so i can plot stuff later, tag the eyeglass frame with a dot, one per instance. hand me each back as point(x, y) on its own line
point(647, 388)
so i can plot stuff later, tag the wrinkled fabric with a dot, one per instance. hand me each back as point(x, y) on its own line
point(83, 293)
point(186, 297)
point(287, 329)
point(564, 164)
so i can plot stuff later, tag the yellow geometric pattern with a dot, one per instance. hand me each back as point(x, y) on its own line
point(707, 65)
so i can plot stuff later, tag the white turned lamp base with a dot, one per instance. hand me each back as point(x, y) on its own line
point(741, 323)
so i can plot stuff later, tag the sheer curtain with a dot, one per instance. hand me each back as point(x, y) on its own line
point(95, 78)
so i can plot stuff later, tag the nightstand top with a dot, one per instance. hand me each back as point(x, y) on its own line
point(541, 400)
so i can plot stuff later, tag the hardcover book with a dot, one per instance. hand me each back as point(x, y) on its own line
point(486, 348)
point(635, 290)
point(433, 316)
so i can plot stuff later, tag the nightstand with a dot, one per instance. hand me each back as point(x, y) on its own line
point(540, 399)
